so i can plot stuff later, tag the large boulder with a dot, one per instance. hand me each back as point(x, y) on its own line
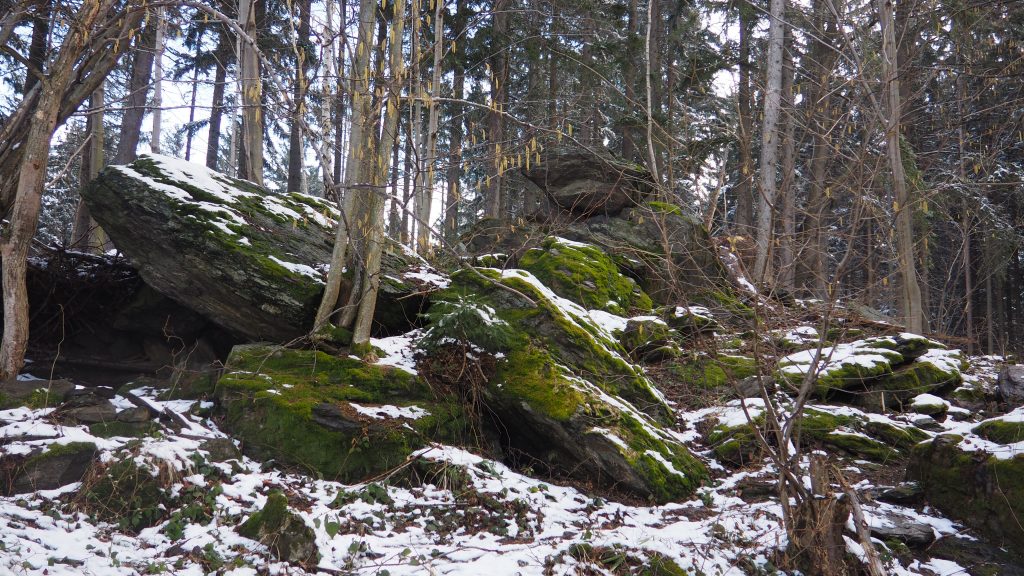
point(978, 482)
point(247, 259)
point(1010, 385)
point(563, 392)
point(589, 180)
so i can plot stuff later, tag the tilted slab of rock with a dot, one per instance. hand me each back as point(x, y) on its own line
point(588, 180)
point(247, 259)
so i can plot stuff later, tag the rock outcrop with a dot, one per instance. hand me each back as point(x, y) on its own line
point(589, 180)
point(247, 259)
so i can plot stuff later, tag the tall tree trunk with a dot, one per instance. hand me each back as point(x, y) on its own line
point(770, 142)
point(373, 200)
point(820, 63)
point(360, 133)
point(454, 193)
point(220, 57)
point(39, 45)
point(158, 80)
point(86, 235)
point(744, 189)
point(787, 195)
point(426, 177)
point(46, 112)
point(495, 121)
point(251, 88)
point(190, 132)
point(629, 149)
point(913, 311)
point(296, 168)
point(138, 89)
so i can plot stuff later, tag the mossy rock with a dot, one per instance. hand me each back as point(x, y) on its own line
point(287, 535)
point(711, 372)
point(34, 394)
point(1001, 430)
point(984, 491)
point(55, 466)
point(736, 446)
point(564, 331)
point(572, 427)
point(649, 339)
point(690, 320)
point(584, 274)
point(675, 253)
point(239, 255)
point(323, 414)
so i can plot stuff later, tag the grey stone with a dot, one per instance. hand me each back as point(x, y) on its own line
point(589, 180)
point(219, 254)
point(1010, 385)
point(50, 469)
point(135, 414)
point(913, 533)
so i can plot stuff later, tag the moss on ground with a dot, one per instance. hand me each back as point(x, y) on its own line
point(127, 494)
point(284, 532)
point(586, 275)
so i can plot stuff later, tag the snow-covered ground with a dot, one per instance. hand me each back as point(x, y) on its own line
point(493, 521)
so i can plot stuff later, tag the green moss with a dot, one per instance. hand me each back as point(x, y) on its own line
point(660, 565)
point(585, 275)
point(57, 450)
point(901, 438)
point(665, 208)
point(269, 395)
point(1000, 431)
point(862, 447)
point(574, 343)
point(532, 376)
point(707, 372)
point(736, 445)
point(724, 300)
point(271, 518)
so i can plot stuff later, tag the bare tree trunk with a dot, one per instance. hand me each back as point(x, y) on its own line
point(770, 142)
point(251, 89)
point(217, 106)
point(425, 190)
point(138, 89)
point(744, 189)
point(787, 196)
point(86, 234)
point(495, 121)
point(158, 80)
point(296, 168)
point(31, 175)
point(454, 193)
point(652, 155)
point(190, 132)
point(39, 45)
point(913, 310)
point(361, 122)
point(373, 200)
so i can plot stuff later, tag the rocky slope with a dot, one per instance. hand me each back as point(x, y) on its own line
point(568, 406)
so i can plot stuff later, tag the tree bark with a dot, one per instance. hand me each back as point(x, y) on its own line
point(138, 89)
point(425, 190)
point(913, 311)
point(744, 219)
point(296, 167)
point(770, 142)
point(217, 107)
point(251, 88)
point(158, 80)
point(495, 121)
point(787, 196)
point(454, 188)
point(86, 235)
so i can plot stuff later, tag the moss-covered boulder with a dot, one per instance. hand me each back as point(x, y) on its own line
point(690, 320)
point(287, 535)
point(1006, 429)
point(564, 393)
point(843, 431)
point(649, 339)
point(712, 371)
point(879, 373)
point(981, 485)
point(247, 259)
point(669, 252)
point(584, 274)
point(55, 466)
point(337, 418)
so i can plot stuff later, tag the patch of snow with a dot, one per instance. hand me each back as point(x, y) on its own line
point(390, 412)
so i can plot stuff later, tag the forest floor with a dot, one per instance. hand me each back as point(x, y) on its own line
point(446, 511)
